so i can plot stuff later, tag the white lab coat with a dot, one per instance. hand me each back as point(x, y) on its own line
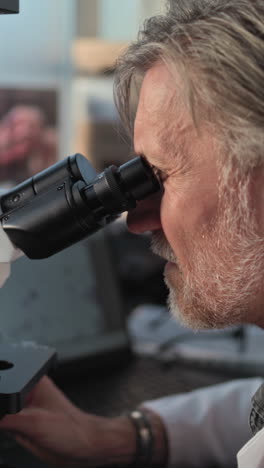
point(209, 426)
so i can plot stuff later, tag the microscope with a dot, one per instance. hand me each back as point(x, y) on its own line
point(21, 365)
point(47, 213)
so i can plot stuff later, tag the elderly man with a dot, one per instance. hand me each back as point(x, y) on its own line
point(191, 90)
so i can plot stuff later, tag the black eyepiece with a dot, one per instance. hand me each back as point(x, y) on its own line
point(138, 178)
point(119, 189)
point(68, 201)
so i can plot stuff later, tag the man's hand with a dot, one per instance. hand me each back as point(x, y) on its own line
point(56, 431)
point(61, 434)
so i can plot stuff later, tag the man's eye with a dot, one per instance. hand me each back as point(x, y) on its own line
point(162, 176)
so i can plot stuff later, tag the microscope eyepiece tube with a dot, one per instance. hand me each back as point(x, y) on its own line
point(119, 189)
point(69, 201)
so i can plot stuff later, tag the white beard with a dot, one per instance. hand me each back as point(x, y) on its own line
point(226, 269)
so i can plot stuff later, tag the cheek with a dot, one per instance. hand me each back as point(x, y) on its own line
point(186, 219)
point(174, 221)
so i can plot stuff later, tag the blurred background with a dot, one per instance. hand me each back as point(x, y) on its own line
point(102, 303)
point(56, 99)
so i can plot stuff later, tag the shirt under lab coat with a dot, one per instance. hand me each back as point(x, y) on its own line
point(210, 427)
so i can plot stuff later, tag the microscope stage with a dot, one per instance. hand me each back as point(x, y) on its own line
point(21, 367)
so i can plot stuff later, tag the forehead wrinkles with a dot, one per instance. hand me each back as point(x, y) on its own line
point(162, 117)
point(174, 134)
point(158, 81)
point(155, 102)
point(165, 141)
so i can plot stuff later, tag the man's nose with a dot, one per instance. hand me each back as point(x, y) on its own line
point(146, 216)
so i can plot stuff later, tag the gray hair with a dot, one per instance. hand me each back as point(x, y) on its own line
point(218, 47)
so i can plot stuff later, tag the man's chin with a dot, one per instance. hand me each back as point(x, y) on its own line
point(194, 315)
point(176, 300)
point(173, 277)
point(189, 308)
point(186, 312)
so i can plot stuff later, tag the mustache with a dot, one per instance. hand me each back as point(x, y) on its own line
point(161, 247)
